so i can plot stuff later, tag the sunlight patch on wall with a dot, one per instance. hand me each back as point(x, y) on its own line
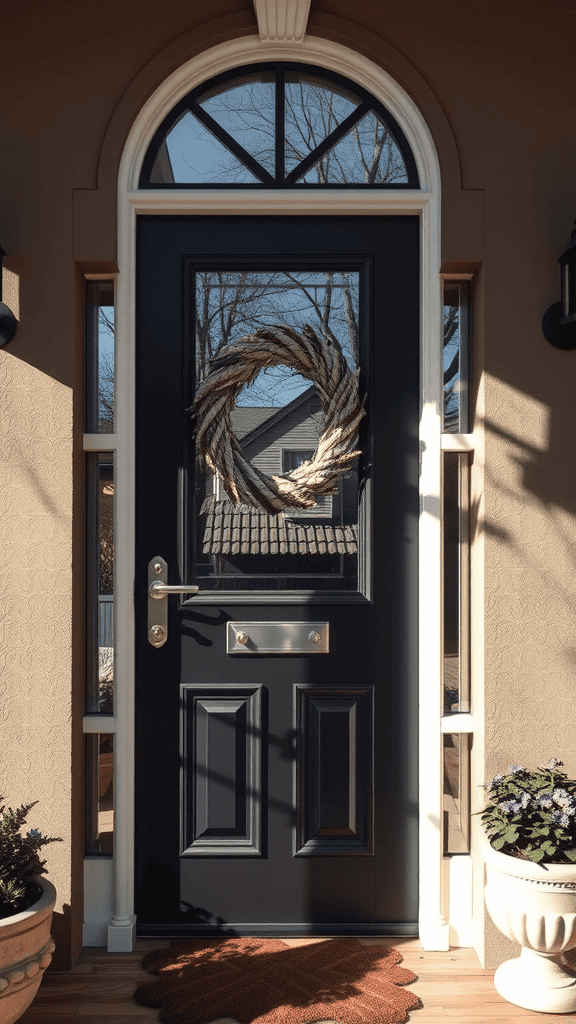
point(515, 416)
point(11, 291)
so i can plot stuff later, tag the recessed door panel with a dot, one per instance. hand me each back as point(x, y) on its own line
point(223, 730)
point(334, 766)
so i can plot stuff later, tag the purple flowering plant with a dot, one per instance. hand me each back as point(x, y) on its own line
point(532, 814)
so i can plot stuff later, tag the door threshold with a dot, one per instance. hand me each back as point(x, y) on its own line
point(336, 930)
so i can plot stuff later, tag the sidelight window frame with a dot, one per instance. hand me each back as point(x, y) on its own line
point(457, 721)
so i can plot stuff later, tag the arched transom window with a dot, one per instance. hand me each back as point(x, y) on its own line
point(279, 125)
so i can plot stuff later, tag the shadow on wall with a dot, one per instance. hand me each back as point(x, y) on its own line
point(62, 922)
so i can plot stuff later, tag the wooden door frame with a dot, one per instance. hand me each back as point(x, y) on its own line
point(423, 202)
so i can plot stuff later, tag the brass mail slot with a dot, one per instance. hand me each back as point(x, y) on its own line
point(277, 638)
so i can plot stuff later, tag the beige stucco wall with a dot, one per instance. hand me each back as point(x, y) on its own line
point(36, 617)
point(494, 79)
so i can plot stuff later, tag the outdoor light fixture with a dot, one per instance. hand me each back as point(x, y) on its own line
point(559, 320)
point(8, 322)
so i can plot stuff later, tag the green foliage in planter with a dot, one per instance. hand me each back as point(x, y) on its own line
point(19, 859)
point(532, 814)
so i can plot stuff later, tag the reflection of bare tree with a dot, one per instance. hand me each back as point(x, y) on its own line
point(105, 376)
point(452, 372)
point(106, 518)
point(367, 154)
point(323, 310)
point(232, 303)
point(222, 304)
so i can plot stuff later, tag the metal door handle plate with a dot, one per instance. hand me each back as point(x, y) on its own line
point(158, 589)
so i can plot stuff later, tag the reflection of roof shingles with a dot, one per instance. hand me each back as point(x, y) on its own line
point(245, 419)
point(239, 529)
point(242, 530)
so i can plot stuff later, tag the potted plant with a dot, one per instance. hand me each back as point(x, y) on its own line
point(26, 905)
point(530, 855)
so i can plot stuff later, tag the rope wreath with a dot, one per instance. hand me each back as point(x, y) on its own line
point(237, 365)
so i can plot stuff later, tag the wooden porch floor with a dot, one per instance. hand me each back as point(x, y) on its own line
point(451, 986)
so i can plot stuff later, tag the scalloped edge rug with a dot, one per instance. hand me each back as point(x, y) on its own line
point(267, 981)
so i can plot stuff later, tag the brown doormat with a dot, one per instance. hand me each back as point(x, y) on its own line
point(265, 981)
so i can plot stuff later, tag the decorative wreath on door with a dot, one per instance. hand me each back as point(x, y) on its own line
point(237, 365)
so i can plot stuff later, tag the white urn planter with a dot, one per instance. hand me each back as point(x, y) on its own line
point(26, 948)
point(534, 905)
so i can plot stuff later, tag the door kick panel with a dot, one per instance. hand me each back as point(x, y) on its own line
point(277, 638)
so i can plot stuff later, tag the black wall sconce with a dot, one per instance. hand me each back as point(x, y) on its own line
point(559, 320)
point(8, 322)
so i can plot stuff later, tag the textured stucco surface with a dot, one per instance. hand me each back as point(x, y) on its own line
point(530, 598)
point(36, 607)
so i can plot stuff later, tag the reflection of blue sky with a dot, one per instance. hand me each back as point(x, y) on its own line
point(105, 355)
point(280, 297)
point(246, 110)
point(354, 157)
point(196, 155)
point(105, 335)
point(278, 383)
point(312, 112)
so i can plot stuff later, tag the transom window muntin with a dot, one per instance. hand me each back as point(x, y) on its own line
point(279, 125)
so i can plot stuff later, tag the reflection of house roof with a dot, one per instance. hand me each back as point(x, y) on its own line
point(242, 530)
point(245, 419)
point(270, 417)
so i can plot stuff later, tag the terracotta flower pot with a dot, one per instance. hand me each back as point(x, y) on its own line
point(26, 949)
point(534, 905)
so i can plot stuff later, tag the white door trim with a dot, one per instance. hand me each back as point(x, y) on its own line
point(424, 202)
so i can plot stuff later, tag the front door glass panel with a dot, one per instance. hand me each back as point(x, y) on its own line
point(278, 422)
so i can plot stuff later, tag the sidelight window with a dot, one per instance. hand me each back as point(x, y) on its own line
point(456, 538)
point(100, 526)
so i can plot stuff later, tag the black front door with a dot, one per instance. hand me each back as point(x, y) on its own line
point(276, 779)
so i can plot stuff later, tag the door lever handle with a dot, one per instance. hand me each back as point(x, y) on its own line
point(158, 589)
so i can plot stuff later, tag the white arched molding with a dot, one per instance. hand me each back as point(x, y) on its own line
point(424, 202)
point(282, 21)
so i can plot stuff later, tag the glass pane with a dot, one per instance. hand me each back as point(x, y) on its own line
point(456, 793)
point(278, 421)
point(367, 155)
point(100, 537)
point(456, 574)
point(456, 357)
point(313, 109)
point(247, 111)
point(196, 155)
point(100, 794)
point(100, 377)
